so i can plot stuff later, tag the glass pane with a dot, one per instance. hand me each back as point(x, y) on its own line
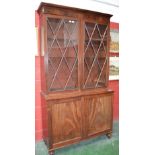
point(95, 55)
point(62, 46)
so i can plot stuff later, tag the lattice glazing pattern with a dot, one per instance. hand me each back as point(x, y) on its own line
point(62, 46)
point(95, 55)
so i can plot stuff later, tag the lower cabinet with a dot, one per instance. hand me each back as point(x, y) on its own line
point(74, 119)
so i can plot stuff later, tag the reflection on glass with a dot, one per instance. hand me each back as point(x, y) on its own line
point(95, 58)
point(62, 44)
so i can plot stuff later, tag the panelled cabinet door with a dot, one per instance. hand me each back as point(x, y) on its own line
point(95, 52)
point(99, 113)
point(66, 117)
point(62, 53)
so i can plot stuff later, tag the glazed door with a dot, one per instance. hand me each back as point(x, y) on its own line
point(62, 53)
point(95, 53)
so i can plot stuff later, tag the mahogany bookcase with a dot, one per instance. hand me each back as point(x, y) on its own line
point(74, 44)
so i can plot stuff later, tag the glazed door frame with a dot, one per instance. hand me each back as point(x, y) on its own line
point(102, 21)
point(45, 53)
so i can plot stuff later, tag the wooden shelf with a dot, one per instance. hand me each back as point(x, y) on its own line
point(61, 39)
point(96, 40)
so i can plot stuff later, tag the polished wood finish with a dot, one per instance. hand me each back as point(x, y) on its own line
point(74, 74)
point(78, 93)
point(99, 113)
point(66, 120)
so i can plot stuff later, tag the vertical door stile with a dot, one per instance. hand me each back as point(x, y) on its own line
point(112, 101)
point(81, 58)
point(81, 51)
point(80, 70)
point(108, 55)
point(50, 130)
point(44, 48)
